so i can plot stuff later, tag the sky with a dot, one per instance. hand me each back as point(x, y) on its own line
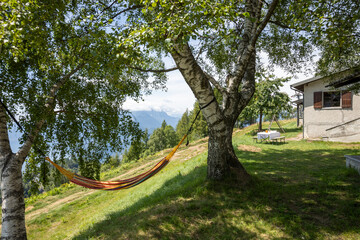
point(179, 97)
point(174, 101)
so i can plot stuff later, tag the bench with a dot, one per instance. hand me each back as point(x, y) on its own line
point(278, 139)
point(255, 138)
point(353, 161)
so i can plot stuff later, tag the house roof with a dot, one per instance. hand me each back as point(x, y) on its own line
point(300, 85)
point(351, 79)
point(352, 76)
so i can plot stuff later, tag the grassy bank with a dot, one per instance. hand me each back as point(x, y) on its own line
point(299, 190)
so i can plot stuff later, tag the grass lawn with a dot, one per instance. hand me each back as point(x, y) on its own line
point(299, 190)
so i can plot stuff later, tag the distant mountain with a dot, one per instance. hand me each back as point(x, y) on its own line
point(153, 119)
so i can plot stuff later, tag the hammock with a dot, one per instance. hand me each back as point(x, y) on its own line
point(113, 185)
point(120, 184)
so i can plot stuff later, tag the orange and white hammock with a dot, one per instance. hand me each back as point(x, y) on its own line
point(119, 184)
point(113, 185)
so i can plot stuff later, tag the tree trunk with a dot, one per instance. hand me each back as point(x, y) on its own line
point(13, 206)
point(12, 191)
point(222, 160)
point(260, 121)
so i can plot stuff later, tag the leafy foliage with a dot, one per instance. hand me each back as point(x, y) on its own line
point(34, 182)
point(112, 162)
point(267, 100)
point(183, 125)
point(138, 145)
point(65, 77)
point(200, 128)
point(330, 28)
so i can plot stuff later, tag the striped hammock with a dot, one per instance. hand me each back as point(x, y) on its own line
point(120, 184)
point(113, 185)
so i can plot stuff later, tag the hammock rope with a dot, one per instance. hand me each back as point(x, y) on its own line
point(119, 184)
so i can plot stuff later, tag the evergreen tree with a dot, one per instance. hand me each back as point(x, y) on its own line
point(89, 165)
point(161, 138)
point(200, 128)
point(183, 125)
point(111, 162)
point(137, 148)
point(171, 138)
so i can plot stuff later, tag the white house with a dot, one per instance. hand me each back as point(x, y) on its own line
point(329, 110)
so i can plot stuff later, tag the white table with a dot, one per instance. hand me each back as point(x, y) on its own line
point(268, 135)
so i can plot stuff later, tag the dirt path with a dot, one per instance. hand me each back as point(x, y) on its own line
point(297, 138)
point(182, 155)
point(55, 204)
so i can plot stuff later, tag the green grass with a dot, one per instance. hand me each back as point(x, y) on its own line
point(299, 190)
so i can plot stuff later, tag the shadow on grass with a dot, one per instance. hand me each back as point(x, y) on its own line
point(294, 195)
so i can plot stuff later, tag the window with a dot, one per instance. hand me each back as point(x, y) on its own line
point(332, 99)
point(335, 99)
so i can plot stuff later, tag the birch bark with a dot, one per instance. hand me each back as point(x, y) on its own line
point(12, 191)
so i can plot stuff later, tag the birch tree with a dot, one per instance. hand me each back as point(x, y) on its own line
point(213, 45)
point(65, 78)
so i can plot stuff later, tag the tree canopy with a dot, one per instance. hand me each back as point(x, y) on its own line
point(329, 29)
point(65, 77)
point(65, 74)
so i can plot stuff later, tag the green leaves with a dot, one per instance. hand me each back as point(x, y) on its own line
point(328, 27)
point(63, 55)
point(267, 99)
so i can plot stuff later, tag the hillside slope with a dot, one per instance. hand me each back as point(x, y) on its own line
point(291, 197)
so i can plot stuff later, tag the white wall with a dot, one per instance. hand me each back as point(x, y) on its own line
point(316, 121)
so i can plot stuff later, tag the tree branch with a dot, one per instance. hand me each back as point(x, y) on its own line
point(284, 26)
point(215, 83)
point(49, 105)
point(266, 18)
point(60, 111)
point(194, 76)
point(155, 70)
point(279, 24)
point(250, 47)
point(108, 7)
point(127, 9)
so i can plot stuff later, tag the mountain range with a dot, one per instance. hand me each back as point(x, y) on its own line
point(153, 119)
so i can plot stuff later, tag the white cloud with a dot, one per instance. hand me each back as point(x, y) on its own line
point(174, 101)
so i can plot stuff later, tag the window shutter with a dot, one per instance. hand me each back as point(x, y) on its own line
point(317, 100)
point(346, 99)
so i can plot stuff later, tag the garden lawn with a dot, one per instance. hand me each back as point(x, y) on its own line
point(299, 190)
